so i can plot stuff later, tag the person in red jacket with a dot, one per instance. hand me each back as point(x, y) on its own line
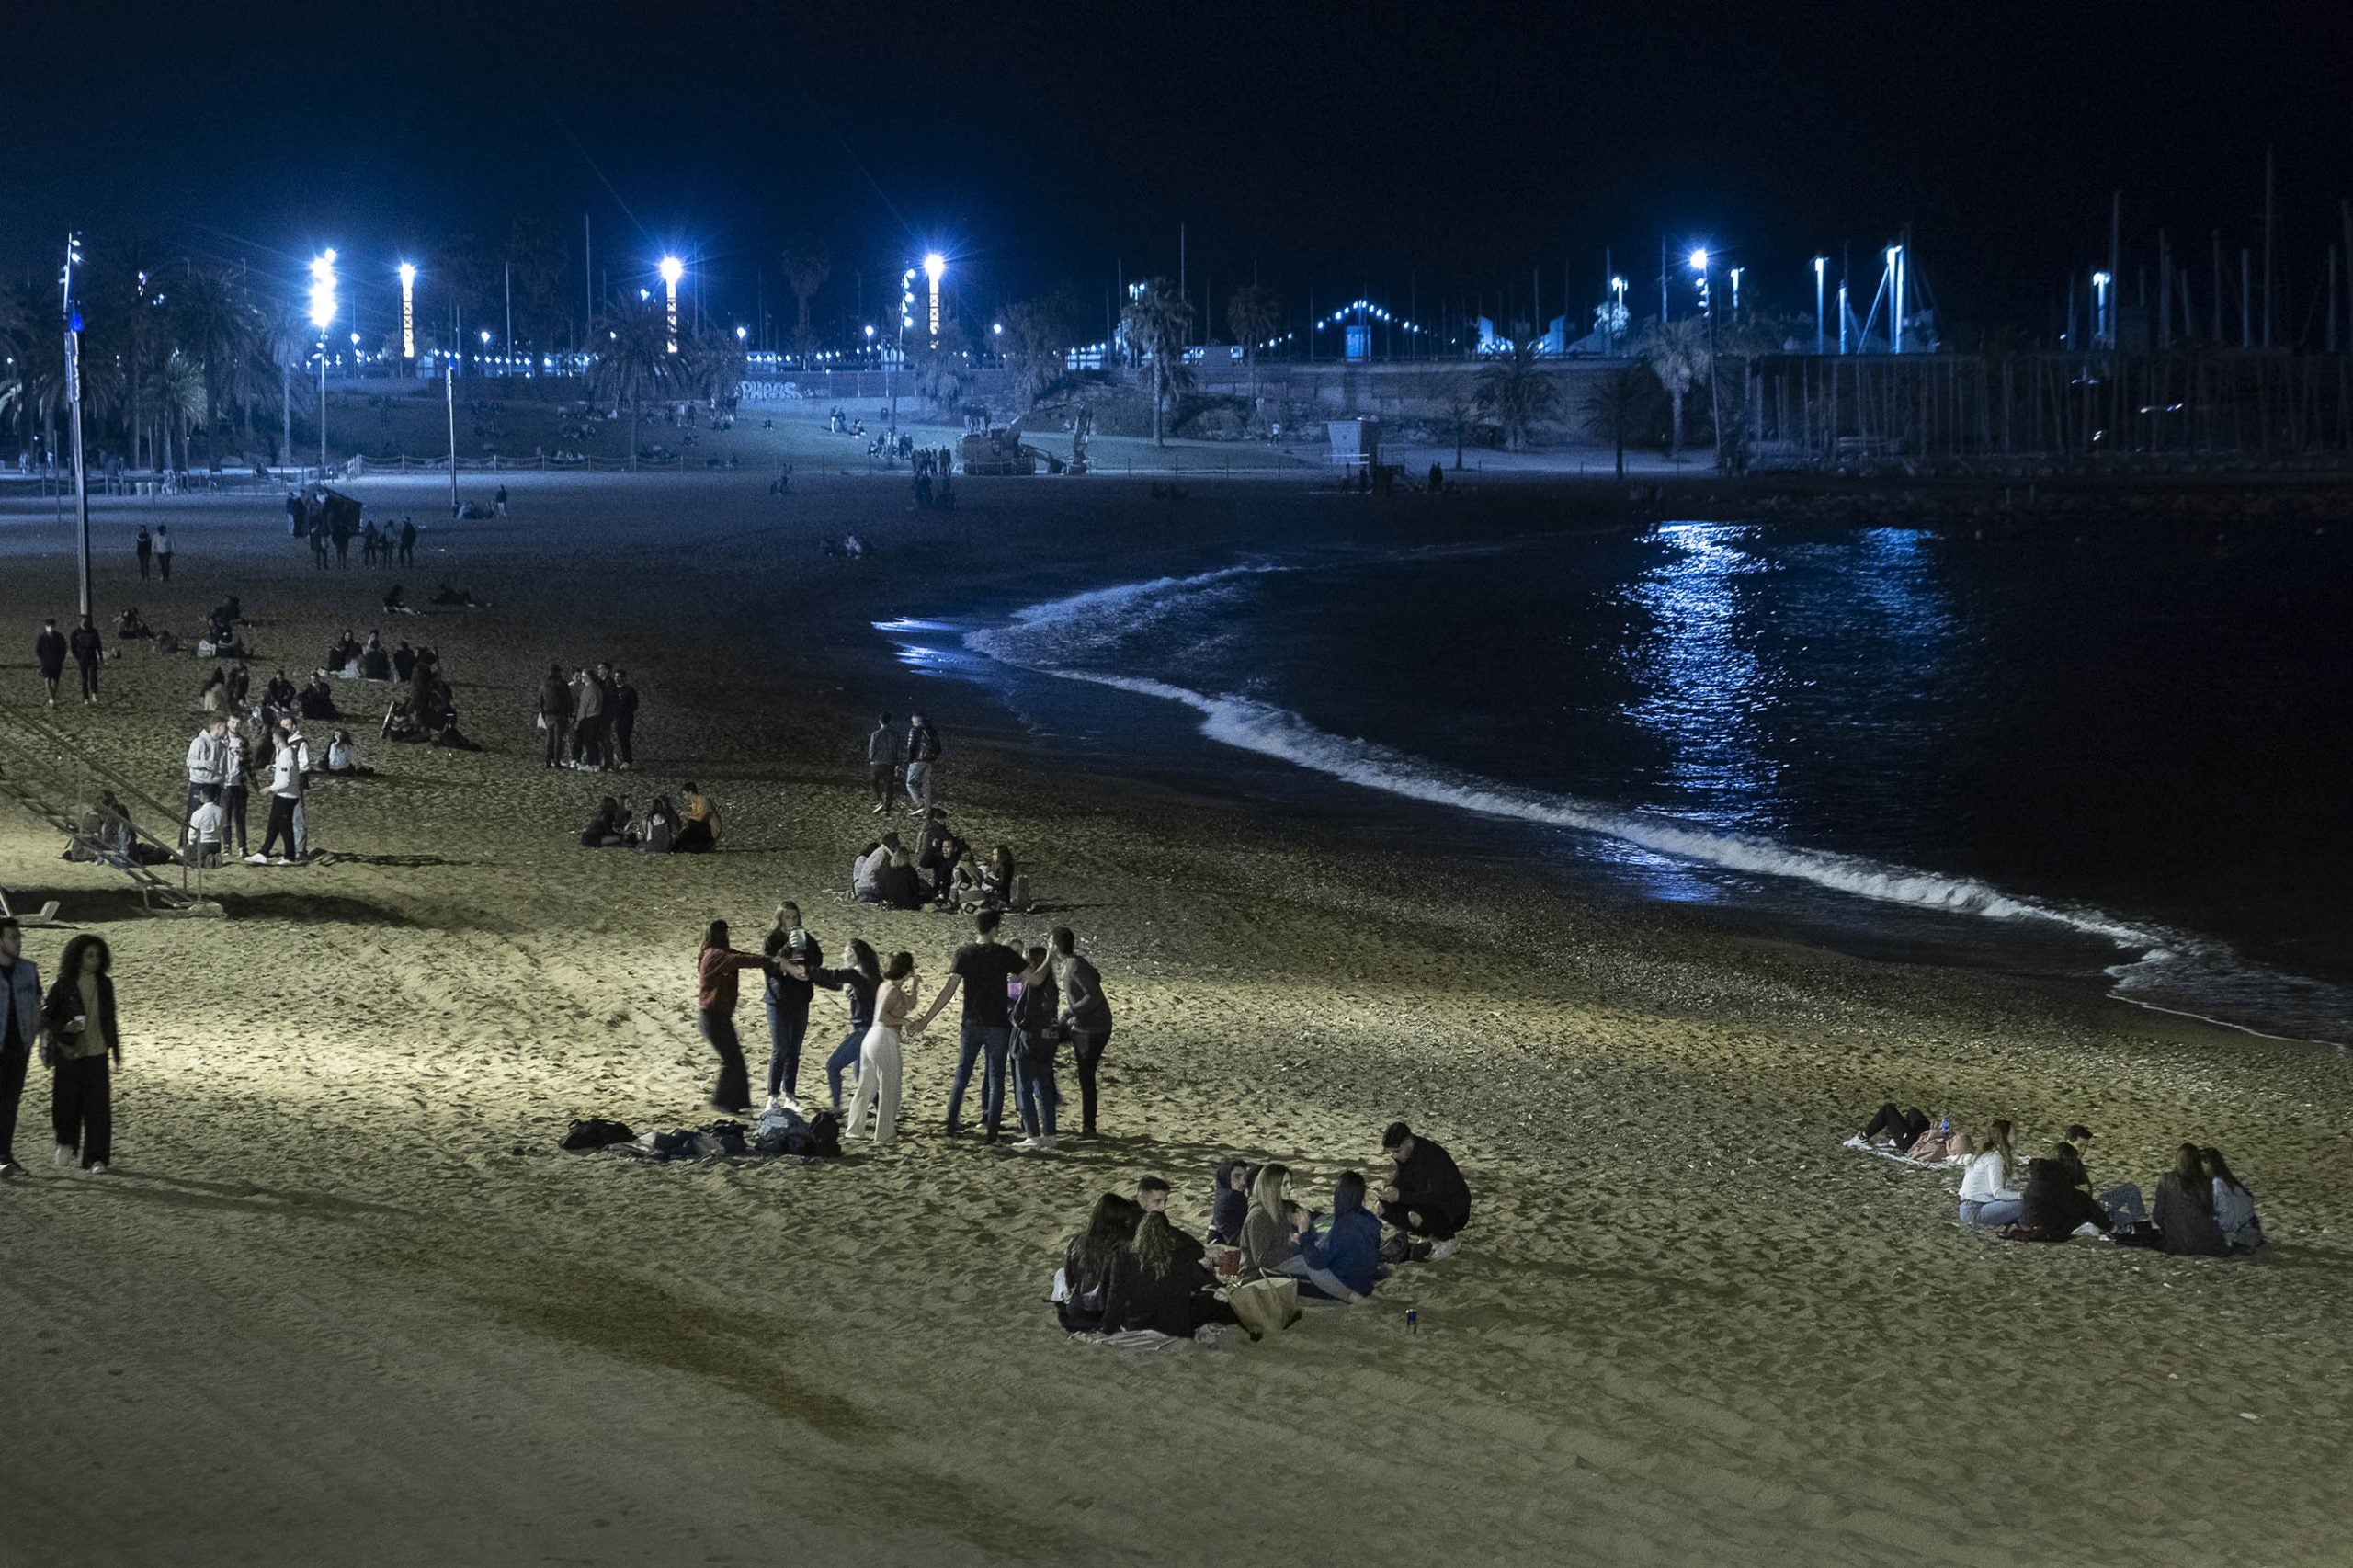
point(715, 970)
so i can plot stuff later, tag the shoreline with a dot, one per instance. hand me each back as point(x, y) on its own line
point(371, 1060)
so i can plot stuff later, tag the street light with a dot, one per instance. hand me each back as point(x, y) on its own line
point(1618, 317)
point(934, 264)
point(322, 313)
point(73, 399)
point(1716, 382)
point(1735, 274)
point(1896, 299)
point(672, 270)
point(2103, 334)
point(1821, 276)
point(408, 310)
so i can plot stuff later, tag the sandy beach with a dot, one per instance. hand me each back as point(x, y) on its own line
point(343, 1294)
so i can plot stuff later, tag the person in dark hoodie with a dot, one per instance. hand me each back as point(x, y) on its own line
point(1427, 1197)
point(1348, 1249)
point(2056, 1200)
point(555, 713)
point(1230, 1205)
point(1087, 1263)
point(49, 651)
point(2185, 1207)
point(1159, 1283)
point(794, 953)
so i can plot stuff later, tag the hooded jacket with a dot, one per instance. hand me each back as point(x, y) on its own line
point(2056, 1205)
point(1228, 1208)
point(1349, 1245)
point(1429, 1183)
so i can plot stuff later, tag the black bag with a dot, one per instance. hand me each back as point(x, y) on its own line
point(825, 1135)
point(596, 1132)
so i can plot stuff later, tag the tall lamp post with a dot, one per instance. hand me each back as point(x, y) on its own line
point(934, 264)
point(1821, 280)
point(74, 397)
point(2103, 330)
point(321, 315)
point(672, 270)
point(906, 320)
point(1715, 384)
point(408, 314)
point(1618, 317)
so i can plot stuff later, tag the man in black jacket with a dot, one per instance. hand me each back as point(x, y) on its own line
point(622, 705)
point(49, 649)
point(1427, 1197)
point(87, 648)
point(556, 712)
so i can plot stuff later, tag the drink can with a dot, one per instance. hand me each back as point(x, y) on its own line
point(1413, 1321)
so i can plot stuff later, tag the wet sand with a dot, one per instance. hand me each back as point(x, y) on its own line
point(342, 1292)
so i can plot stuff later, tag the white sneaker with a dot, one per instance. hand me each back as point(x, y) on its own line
point(97, 1167)
point(63, 1156)
point(880, 810)
point(1441, 1251)
point(257, 859)
point(1030, 1143)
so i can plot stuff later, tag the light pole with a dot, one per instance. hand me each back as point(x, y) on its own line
point(1896, 299)
point(2103, 333)
point(1715, 393)
point(1821, 278)
point(1736, 292)
point(934, 264)
point(672, 270)
point(322, 314)
point(408, 314)
point(1618, 316)
point(74, 397)
point(906, 320)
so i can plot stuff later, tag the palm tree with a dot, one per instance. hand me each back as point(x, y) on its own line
point(214, 323)
point(634, 359)
point(713, 367)
point(806, 267)
point(1456, 397)
point(1253, 313)
point(1616, 400)
point(32, 384)
point(1154, 322)
point(1678, 355)
point(1515, 390)
point(175, 391)
point(943, 369)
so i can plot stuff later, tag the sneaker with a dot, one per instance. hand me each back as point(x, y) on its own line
point(257, 859)
point(10, 1169)
point(1441, 1251)
point(1031, 1143)
point(96, 1167)
point(65, 1155)
point(879, 810)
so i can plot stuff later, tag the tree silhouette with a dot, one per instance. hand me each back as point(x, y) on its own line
point(1515, 390)
point(806, 267)
point(1155, 319)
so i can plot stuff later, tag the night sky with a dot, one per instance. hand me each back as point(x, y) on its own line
point(1365, 148)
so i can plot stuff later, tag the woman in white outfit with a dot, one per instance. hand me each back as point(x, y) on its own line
point(879, 1059)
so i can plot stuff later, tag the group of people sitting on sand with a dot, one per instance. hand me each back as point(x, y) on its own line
point(940, 871)
point(2202, 1209)
point(1132, 1269)
point(689, 827)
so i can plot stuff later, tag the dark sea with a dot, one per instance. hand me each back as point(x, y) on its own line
point(2122, 757)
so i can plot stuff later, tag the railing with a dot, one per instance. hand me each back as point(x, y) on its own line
point(51, 778)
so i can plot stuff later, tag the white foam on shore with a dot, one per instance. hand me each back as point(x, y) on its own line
point(1041, 636)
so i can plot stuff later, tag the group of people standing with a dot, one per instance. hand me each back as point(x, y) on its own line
point(590, 719)
point(225, 760)
point(1019, 1007)
point(75, 1031)
point(910, 762)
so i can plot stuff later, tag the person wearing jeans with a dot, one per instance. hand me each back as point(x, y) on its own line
point(1987, 1198)
point(1087, 1015)
point(794, 951)
point(860, 975)
point(1036, 1037)
point(981, 973)
point(883, 763)
point(21, 1023)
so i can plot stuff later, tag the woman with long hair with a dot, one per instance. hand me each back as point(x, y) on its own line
point(1036, 1037)
point(860, 977)
point(881, 1057)
point(716, 968)
point(1088, 1260)
point(85, 1041)
point(1270, 1230)
point(2233, 1204)
point(1160, 1282)
point(1988, 1198)
point(2184, 1209)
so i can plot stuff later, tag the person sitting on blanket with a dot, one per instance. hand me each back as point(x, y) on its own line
point(1231, 1204)
point(1427, 1197)
point(1087, 1261)
point(1987, 1198)
point(1159, 1283)
point(608, 829)
point(1271, 1235)
point(2055, 1201)
point(2233, 1204)
point(1349, 1246)
point(1900, 1128)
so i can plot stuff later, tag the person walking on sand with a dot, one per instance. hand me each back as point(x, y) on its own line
point(20, 1030)
point(556, 712)
point(980, 973)
point(285, 795)
point(883, 763)
point(87, 648)
point(881, 1055)
point(923, 754)
point(49, 651)
point(85, 1045)
point(408, 541)
point(163, 549)
point(144, 547)
point(716, 968)
point(1087, 1014)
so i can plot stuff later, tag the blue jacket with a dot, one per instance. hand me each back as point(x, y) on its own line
point(20, 1002)
point(1350, 1245)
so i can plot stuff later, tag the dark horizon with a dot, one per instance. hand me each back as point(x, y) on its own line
point(1353, 155)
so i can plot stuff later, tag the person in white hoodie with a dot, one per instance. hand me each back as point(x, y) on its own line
point(285, 799)
point(1988, 1198)
point(207, 761)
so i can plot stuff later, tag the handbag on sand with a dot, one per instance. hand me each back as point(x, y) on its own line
point(1266, 1306)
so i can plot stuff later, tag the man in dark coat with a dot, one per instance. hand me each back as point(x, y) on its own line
point(1427, 1197)
point(87, 648)
point(49, 649)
